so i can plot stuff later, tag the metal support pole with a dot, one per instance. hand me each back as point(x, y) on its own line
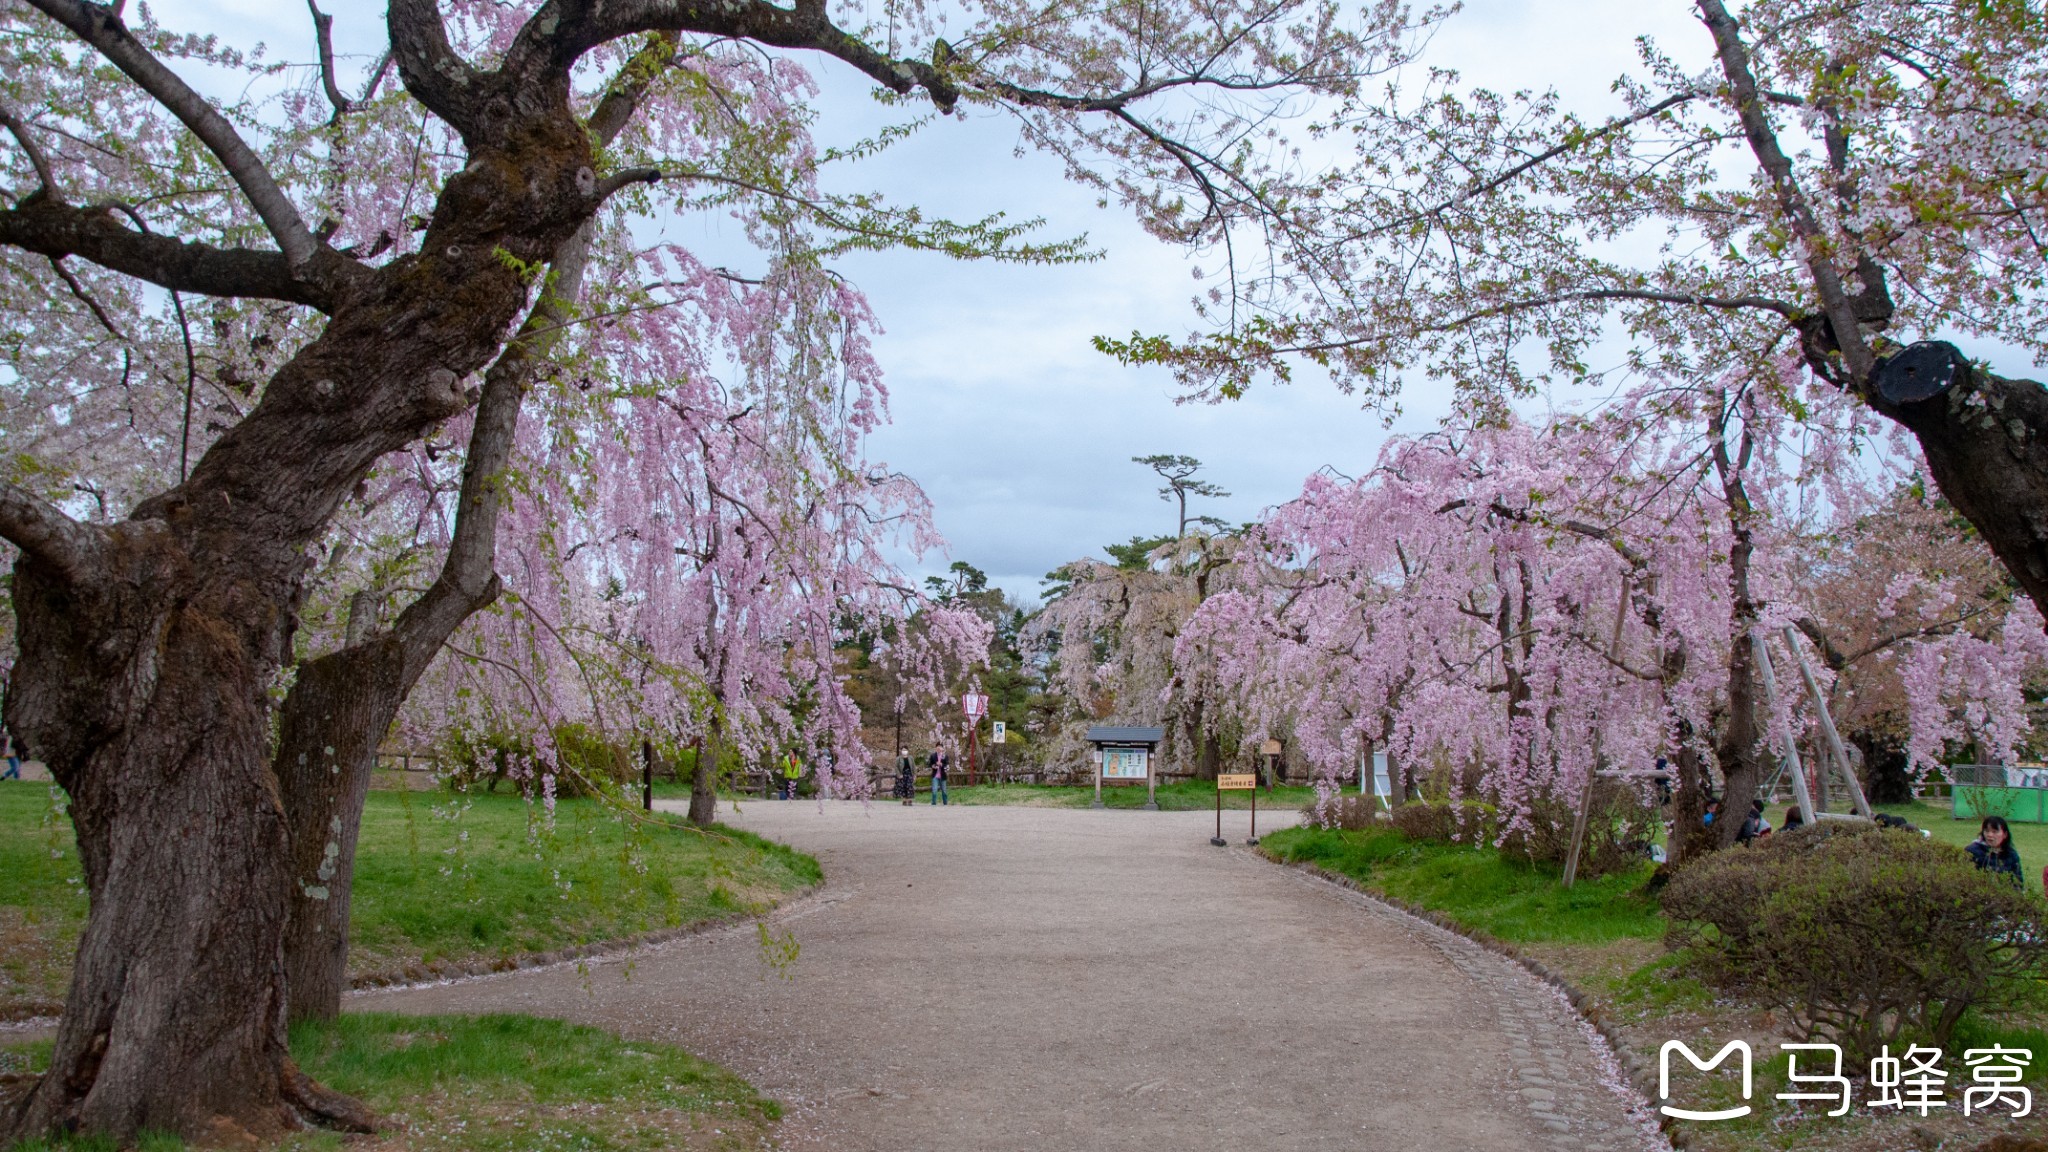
point(1254, 837)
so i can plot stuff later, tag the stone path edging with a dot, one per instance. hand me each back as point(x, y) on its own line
point(1640, 1077)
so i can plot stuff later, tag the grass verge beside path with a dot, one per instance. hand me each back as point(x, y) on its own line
point(1605, 936)
point(507, 1084)
point(441, 881)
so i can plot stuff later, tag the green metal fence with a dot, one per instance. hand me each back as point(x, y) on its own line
point(1989, 790)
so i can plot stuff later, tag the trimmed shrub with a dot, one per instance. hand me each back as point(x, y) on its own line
point(1863, 935)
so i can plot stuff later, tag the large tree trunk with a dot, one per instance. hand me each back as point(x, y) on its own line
point(704, 780)
point(1736, 750)
point(1205, 753)
point(343, 703)
point(146, 651)
point(1985, 438)
point(144, 702)
point(333, 720)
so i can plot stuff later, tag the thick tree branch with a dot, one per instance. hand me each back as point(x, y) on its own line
point(1650, 295)
point(562, 31)
point(48, 228)
point(429, 66)
point(1838, 660)
point(1763, 143)
point(468, 577)
point(41, 530)
point(102, 28)
point(19, 130)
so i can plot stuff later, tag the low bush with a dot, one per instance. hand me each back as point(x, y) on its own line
point(1351, 813)
point(1467, 822)
point(1619, 826)
point(583, 760)
point(1864, 936)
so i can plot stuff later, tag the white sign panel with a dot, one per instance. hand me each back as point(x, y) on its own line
point(1001, 730)
point(1125, 763)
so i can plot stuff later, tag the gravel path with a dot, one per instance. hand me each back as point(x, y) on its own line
point(1033, 979)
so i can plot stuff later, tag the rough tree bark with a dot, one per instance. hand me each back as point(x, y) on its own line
point(343, 703)
point(145, 647)
point(1736, 749)
point(704, 778)
point(1985, 437)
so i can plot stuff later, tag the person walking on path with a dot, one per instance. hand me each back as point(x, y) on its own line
point(1992, 850)
point(13, 761)
point(940, 762)
point(792, 771)
point(906, 774)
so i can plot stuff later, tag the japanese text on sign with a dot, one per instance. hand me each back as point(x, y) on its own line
point(1125, 763)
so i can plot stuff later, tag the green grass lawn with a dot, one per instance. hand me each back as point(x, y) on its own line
point(1605, 936)
point(505, 1084)
point(42, 899)
point(440, 879)
point(1479, 888)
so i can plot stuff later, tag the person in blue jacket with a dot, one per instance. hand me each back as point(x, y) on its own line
point(1992, 850)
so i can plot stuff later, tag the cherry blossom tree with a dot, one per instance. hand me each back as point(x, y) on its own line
point(380, 257)
point(1522, 605)
point(1857, 182)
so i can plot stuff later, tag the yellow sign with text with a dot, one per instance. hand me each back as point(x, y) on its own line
point(1237, 783)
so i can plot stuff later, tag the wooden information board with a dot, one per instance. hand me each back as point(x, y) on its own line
point(1232, 782)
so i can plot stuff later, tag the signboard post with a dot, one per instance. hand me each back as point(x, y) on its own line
point(1236, 782)
point(1123, 755)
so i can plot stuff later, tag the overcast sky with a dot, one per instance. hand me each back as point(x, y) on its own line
point(1020, 432)
point(1023, 434)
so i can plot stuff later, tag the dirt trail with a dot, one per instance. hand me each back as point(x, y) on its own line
point(1035, 979)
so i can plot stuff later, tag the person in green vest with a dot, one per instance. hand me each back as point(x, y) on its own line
point(792, 771)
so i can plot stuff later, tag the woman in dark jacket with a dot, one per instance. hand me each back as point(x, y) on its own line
point(1992, 850)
